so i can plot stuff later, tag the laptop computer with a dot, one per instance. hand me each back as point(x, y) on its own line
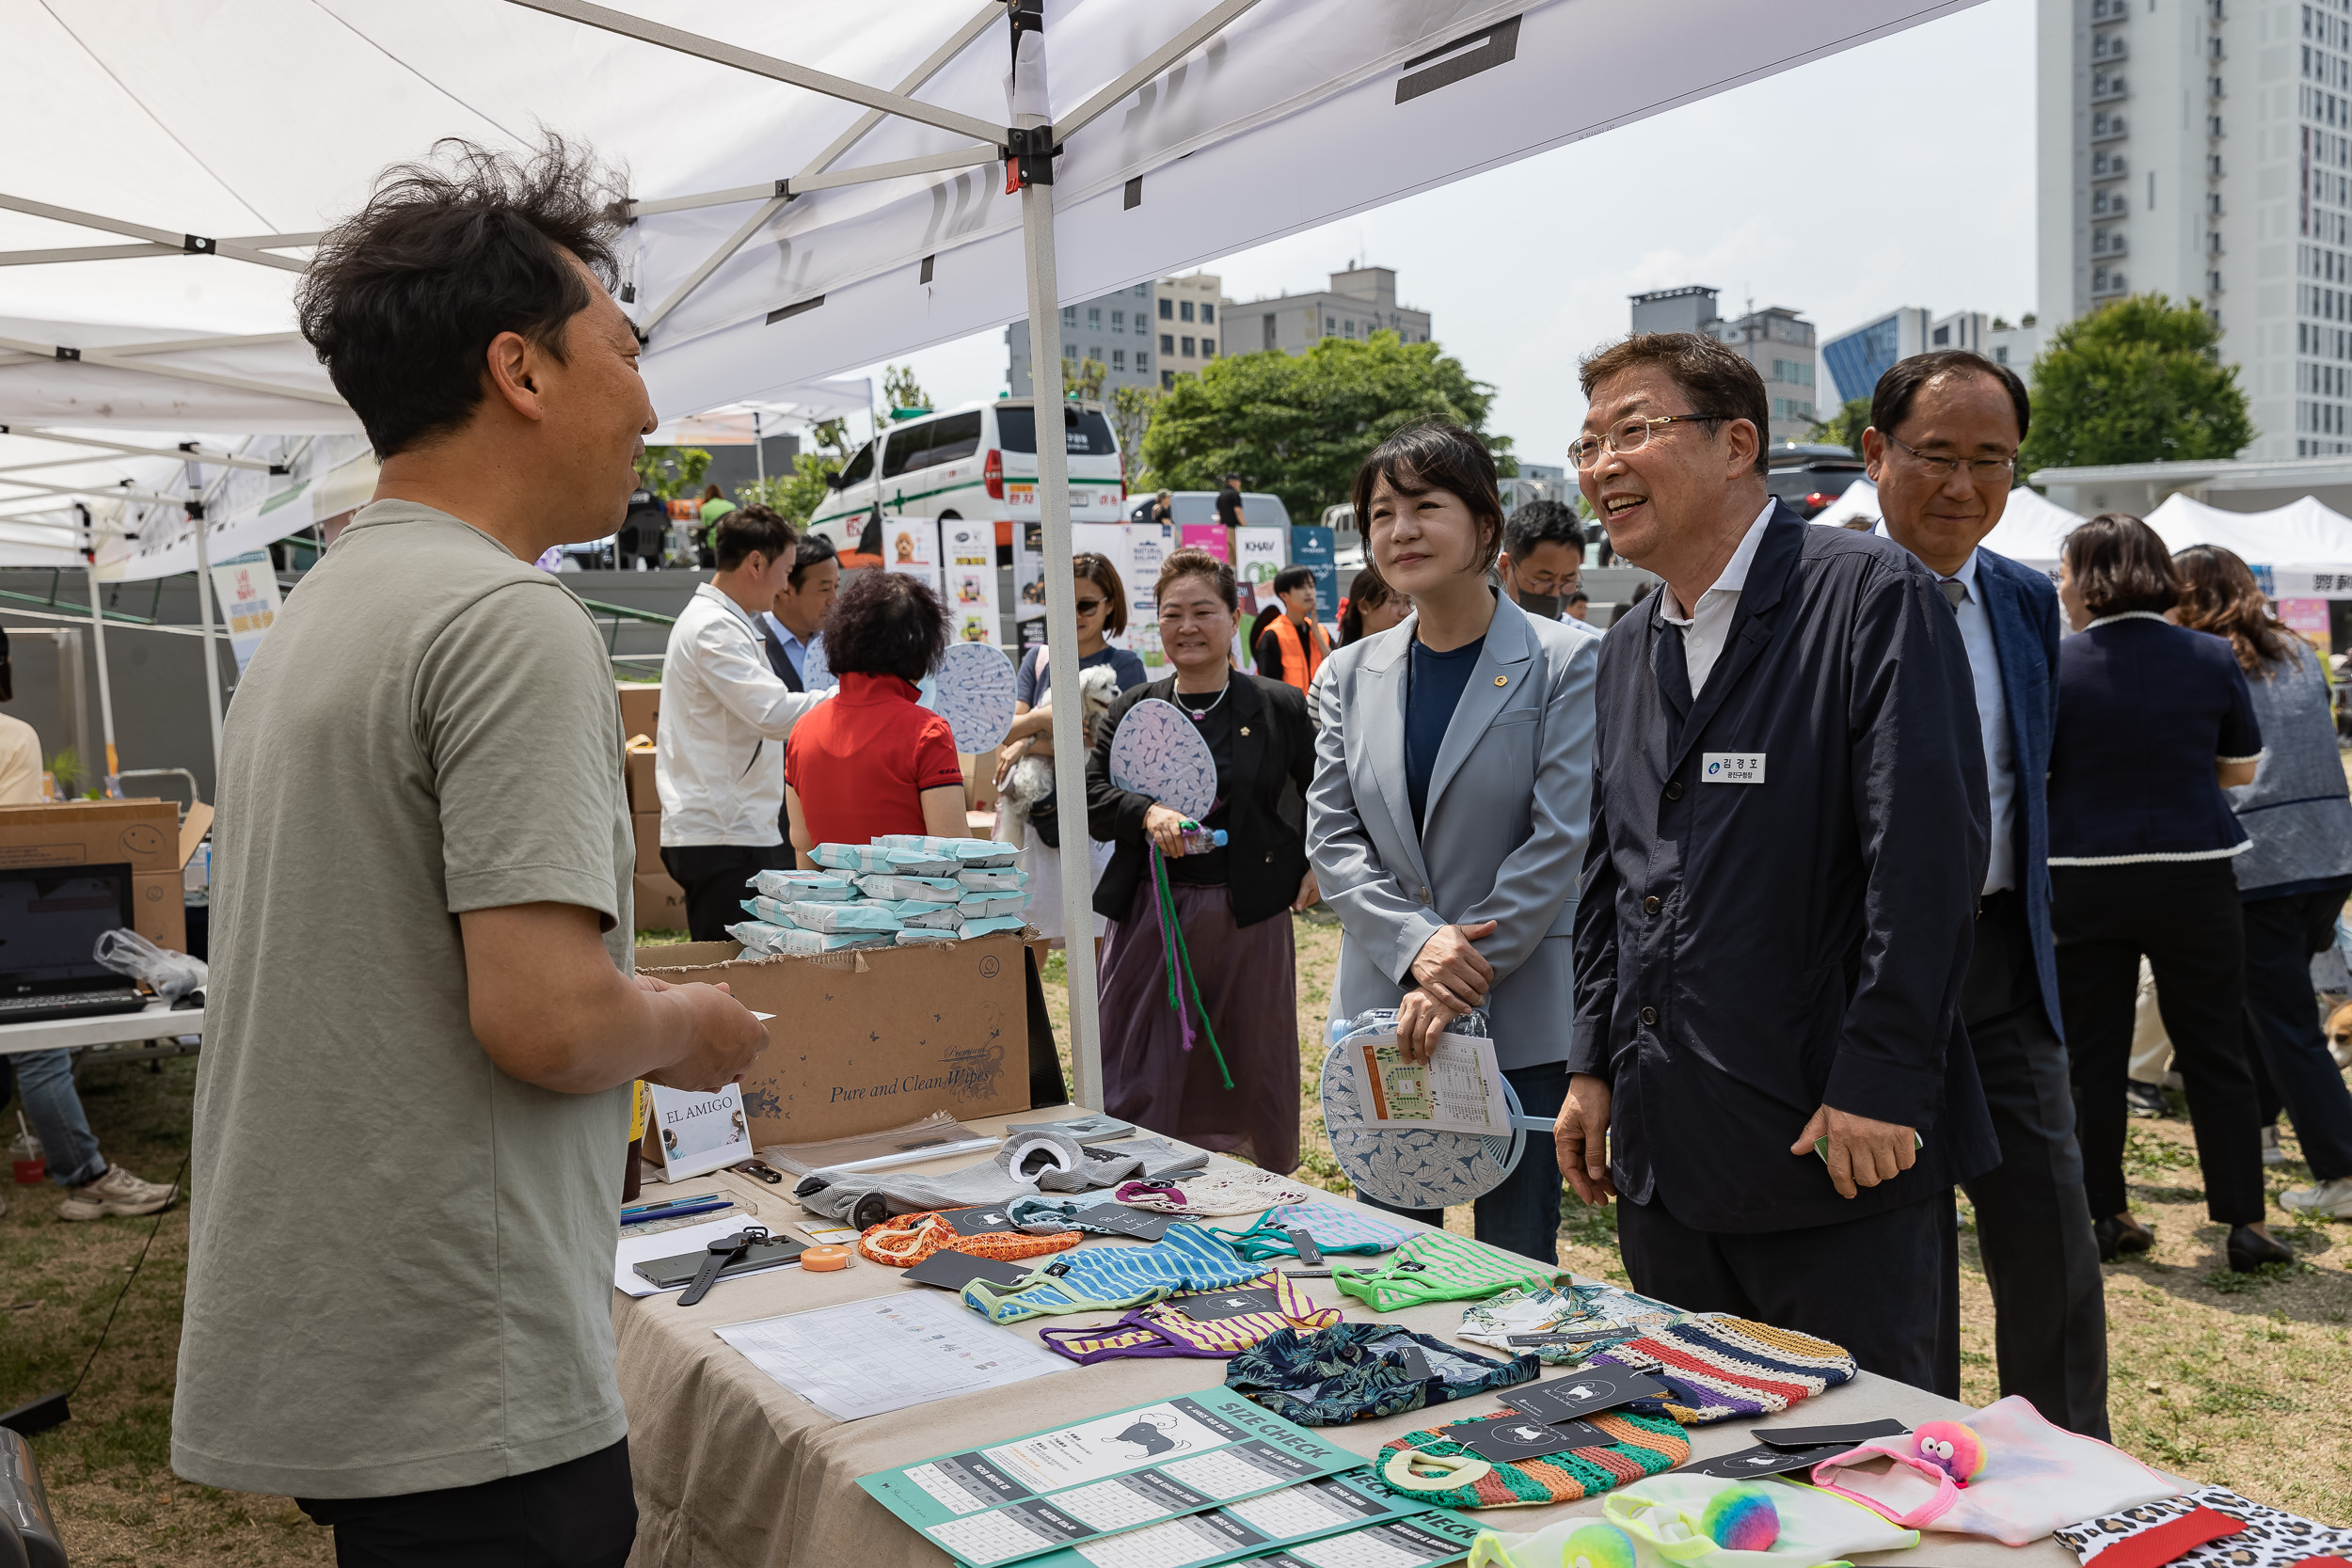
point(51, 918)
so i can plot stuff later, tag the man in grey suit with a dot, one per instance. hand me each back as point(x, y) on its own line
point(1452, 784)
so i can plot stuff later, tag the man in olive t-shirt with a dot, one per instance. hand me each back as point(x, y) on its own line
point(412, 1108)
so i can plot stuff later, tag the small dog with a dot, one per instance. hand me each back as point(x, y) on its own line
point(2340, 1035)
point(1032, 778)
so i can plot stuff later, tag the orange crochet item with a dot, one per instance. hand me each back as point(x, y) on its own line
point(906, 1239)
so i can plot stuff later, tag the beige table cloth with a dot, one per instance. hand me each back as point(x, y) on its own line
point(735, 1471)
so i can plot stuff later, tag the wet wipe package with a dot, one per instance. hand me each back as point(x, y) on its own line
point(759, 936)
point(920, 889)
point(863, 858)
point(968, 853)
point(823, 886)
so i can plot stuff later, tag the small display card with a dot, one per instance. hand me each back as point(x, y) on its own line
point(1764, 1461)
point(1508, 1441)
point(951, 1270)
point(1851, 1435)
point(700, 1132)
point(1563, 1399)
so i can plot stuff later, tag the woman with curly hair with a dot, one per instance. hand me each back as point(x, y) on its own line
point(871, 760)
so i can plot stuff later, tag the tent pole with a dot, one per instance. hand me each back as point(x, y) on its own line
point(212, 660)
point(105, 687)
point(1061, 631)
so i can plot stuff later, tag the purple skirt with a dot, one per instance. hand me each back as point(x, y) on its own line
point(1248, 985)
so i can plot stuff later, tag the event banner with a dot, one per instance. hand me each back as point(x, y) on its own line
point(1258, 556)
point(911, 545)
point(1066, 1486)
point(969, 547)
point(245, 589)
point(1312, 546)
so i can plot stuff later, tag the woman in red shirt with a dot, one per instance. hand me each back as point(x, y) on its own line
point(870, 761)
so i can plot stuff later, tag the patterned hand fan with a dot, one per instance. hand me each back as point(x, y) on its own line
point(1159, 751)
point(1415, 1167)
point(972, 690)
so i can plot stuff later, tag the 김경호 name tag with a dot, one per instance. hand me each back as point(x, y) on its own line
point(1731, 767)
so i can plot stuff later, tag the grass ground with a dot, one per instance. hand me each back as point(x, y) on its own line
point(2224, 1378)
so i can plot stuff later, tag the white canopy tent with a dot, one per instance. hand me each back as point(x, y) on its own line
point(797, 216)
point(2031, 529)
point(2302, 533)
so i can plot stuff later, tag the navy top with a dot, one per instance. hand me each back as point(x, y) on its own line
point(1433, 690)
point(1033, 677)
point(2145, 708)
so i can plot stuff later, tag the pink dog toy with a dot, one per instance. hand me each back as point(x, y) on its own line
point(1951, 1448)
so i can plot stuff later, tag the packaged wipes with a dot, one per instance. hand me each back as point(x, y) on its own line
point(758, 936)
point(865, 857)
point(822, 886)
point(919, 890)
point(917, 935)
point(927, 917)
point(969, 853)
point(1000, 879)
point(792, 941)
point(769, 912)
point(862, 915)
point(980, 906)
point(990, 927)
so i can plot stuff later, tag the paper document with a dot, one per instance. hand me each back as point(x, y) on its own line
point(1459, 1089)
point(869, 1357)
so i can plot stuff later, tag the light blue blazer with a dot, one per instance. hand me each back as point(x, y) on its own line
point(1510, 804)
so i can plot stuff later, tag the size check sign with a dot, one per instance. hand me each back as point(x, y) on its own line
point(1731, 767)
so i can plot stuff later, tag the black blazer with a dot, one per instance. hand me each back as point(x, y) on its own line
point(1273, 761)
point(1811, 932)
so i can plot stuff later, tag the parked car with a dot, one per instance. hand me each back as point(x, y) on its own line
point(978, 461)
point(1810, 477)
point(1199, 506)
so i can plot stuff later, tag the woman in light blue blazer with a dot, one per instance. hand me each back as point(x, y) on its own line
point(1452, 799)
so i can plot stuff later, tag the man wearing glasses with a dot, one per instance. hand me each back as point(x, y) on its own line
point(1942, 447)
point(1789, 837)
point(1542, 563)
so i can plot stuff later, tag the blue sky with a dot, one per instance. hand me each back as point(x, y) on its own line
point(1899, 173)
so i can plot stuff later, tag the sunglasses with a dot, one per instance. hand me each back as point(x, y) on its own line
point(1088, 607)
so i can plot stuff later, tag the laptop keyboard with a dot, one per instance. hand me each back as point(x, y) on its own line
point(87, 1004)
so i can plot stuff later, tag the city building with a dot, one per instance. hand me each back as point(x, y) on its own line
point(1537, 482)
point(1187, 323)
point(1856, 358)
point(2017, 346)
point(1117, 329)
point(2204, 150)
point(1775, 340)
point(1359, 302)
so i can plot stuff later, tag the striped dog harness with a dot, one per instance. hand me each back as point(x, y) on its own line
point(1438, 1265)
point(1342, 1228)
point(1717, 1368)
point(906, 1239)
point(1639, 1446)
point(1165, 1329)
point(1106, 1278)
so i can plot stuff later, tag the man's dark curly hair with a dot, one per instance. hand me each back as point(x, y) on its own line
point(404, 296)
point(886, 624)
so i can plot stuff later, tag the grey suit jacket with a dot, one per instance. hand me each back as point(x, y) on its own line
point(1509, 811)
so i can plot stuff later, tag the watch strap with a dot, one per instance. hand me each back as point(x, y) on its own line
point(725, 1250)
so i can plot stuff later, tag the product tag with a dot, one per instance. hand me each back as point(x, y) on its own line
point(1851, 1435)
point(1593, 1388)
point(1763, 1461)
point(1119, 1220)
point(975, 1222)
point(1511, 1440)
point(951, 1270)
point(1308, 1251)
point(1416, 1364)
point(1228, 1304)
point(1731, 767)
point(1587, 1337)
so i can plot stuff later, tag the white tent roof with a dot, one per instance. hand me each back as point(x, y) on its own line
point(1860, 500)
point(2301, 533)
point(2031, 529)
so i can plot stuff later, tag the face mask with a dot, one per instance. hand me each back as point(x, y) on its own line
point(1544, 607)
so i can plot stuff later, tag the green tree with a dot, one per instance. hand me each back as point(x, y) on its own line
point(1845, 427)
point(1082, 378)
point(797, 495)
point(901, 391)
point(1300, 426)
point(1131, 415)
point(2137, 381)
point(674, 471)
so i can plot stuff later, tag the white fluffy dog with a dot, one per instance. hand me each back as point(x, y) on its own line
point(1032, 778)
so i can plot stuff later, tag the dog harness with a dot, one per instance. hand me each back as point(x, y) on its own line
point(1106, 1278)
point(1438, 1265)
point(907, 1240)
point(1333, 1226)
point(1166, 1330)
point(1213, 1193)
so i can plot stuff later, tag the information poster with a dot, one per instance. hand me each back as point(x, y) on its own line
point(244, 593)
point(1079, 1485)
point(1149, 545)
point(1311, 547)
point(970, 549)
point(1459, 1089)
point(1259, 555)
point(911, 545)
point(1213, 537)
point(2309, 618)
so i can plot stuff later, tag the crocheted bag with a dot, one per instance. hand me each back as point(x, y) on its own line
point(1106, 1278)
point(906, 1239)
point(1438, 1265)
point(1340, 1228)
point(1357, 1372)
point(1718, 1368)
point(1165, 1329)
point(1639, 1446)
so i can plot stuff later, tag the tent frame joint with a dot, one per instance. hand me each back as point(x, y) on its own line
point(1030, 153)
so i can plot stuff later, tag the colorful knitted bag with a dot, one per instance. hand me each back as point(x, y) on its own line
point(906, 1239)
point(1106, 1278)
point(1639, 1446)
point(1343, 1227)
point(1438, 1265)
point(1165, 1329)
point(1360, 1371)
point(1718, 1368)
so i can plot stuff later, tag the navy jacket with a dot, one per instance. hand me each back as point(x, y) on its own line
point(1810, 933)
point(2024, 609)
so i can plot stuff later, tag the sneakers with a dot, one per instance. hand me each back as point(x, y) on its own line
point(2330, 1200)
point(2272, 1153)
point(2146, 1100)
point(117, 1191)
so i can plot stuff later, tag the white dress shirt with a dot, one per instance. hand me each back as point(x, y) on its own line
point(718, 761)
point(1705, 628)
point(794, 649)
point(2000, 750)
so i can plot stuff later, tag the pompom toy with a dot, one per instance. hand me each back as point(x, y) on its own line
point(1597, 1546)
point(1951, 1448)
point(1741, 1519)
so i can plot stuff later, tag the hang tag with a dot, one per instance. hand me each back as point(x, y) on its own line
point(1416, 1364)
point(1850, 1434)
point(1731, 767)
point(1308, 1251)
point(1506, 1440)
point(1525, 1341)
point(1594, 1389)
point(977, 1222)
point(1306, 1273)
point(1119, 1220)
point(1213, 1305)
point(1763, 1461)
point(952, 1271)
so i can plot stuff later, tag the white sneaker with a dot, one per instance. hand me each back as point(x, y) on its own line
point(2330, 1200)
point(117, 1191)
point(2272, 1153)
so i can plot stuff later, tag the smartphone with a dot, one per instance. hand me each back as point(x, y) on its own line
point(670, 1273)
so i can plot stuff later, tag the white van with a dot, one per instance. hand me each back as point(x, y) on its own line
point(976, 461)
point(1261, 508)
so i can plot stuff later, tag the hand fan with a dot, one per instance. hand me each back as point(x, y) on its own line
point(1415, 1167)
point(1159, 751)
point(972, 690)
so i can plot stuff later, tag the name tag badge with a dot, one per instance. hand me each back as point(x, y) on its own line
point(1731, 767)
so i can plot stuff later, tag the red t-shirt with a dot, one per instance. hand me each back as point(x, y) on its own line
point(860, 762)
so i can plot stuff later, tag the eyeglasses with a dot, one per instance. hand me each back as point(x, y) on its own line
point(1629, 435)
point(1087, 607)
point(1983, 470)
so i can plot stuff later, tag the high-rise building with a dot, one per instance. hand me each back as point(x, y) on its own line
point(1857, 357)
point(1187, 323)
point(1359, 302)
point(1775, 340)
point(1117, 330)
point(2203, 149)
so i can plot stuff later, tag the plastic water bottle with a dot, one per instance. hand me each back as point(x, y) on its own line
point(1200, 840)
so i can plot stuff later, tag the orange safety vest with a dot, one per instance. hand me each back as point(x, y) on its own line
point(1300, 663)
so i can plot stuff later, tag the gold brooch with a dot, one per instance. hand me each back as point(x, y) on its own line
point(1502, 680)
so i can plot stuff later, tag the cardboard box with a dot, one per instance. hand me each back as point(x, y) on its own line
point(661, 904)
point(159, 909)
point(649, 826)
point(874, 1038)
point(94, 832)
point(642, 795)
point(641, 708)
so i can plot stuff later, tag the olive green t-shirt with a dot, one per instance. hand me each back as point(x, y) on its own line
point(400, 1258)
